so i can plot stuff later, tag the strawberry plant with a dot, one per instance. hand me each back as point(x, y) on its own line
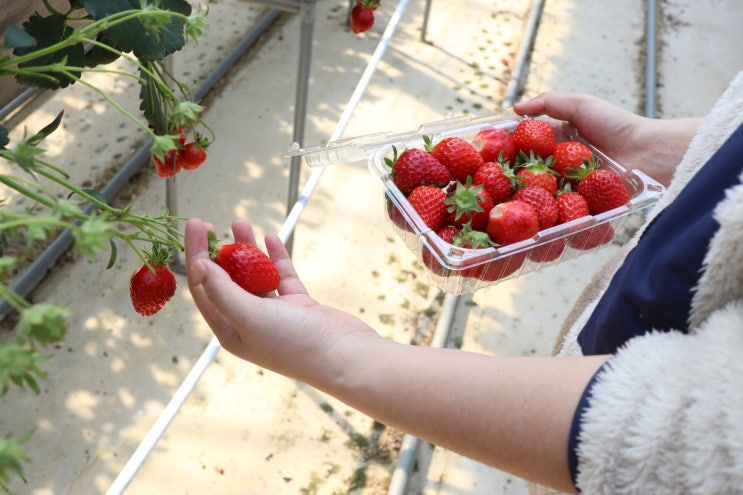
point(52, 50)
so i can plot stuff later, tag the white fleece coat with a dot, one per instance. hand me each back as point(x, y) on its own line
point(666, 415)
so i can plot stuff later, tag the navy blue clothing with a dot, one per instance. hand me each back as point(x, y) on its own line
point(653, 288)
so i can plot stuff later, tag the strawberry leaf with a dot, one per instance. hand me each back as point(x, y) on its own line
point(153, 41)
point(47, 31)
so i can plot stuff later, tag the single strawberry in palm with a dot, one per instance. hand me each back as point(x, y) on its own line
point(428, 202)
point(469, 203)
point(495, 145)
point(534, 135)
point(416, 167)
point(246, 264)
point(153, 284)
point(459, 156)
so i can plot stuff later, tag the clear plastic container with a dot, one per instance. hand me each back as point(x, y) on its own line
point(458, 270)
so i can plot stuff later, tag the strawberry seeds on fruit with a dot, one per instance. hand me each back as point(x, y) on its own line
point(246, 264)
point(153, 284)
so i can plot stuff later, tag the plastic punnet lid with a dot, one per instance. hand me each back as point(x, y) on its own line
point(361, 148)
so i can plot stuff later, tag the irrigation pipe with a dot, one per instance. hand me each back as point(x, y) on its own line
point(157, 430)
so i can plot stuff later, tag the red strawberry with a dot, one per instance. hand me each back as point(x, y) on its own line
point(181, 133)
point(604, 190)
point(415, 167)
point(362, 16)
point(169, 165)
point(428, 201)
point(543, 202)
point(593, 237)
point(469, 204)
point(537, 172)
point(511, 222)
point(459, 156)
point(448, 233)
point(502, 267)
point(497, 179)
point(153, 284)
point(571, 206)
point(570, 155)
point(534, 135)
point(495, 145)
point(246, 264)
point(547, 252)
point(193, 154)
point(396, 215)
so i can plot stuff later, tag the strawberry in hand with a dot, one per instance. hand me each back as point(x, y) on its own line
point(246, 264)
point(153, 284)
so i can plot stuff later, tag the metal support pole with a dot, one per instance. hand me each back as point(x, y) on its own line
point(307, 22)
point(650, 63)
point(426, 14)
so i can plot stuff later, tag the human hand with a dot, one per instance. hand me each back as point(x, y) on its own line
point(652, 145)
point(288, 332)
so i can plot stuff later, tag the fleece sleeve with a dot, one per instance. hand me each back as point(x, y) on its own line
point(665, 414)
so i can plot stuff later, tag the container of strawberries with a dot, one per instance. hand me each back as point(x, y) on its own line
point(480, 201)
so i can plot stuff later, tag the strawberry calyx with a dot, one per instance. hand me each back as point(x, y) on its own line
point(579, 173)
point(428, 143)
point(156, 256)
point(368, 4)
point(472, 239)
point(213, 245)
point(537, 164)
point(391, 162)
point(465, 200)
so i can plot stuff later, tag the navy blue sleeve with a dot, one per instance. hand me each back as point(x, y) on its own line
point(574, 440)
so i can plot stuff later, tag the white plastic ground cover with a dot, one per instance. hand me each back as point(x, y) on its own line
point(457, 270)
